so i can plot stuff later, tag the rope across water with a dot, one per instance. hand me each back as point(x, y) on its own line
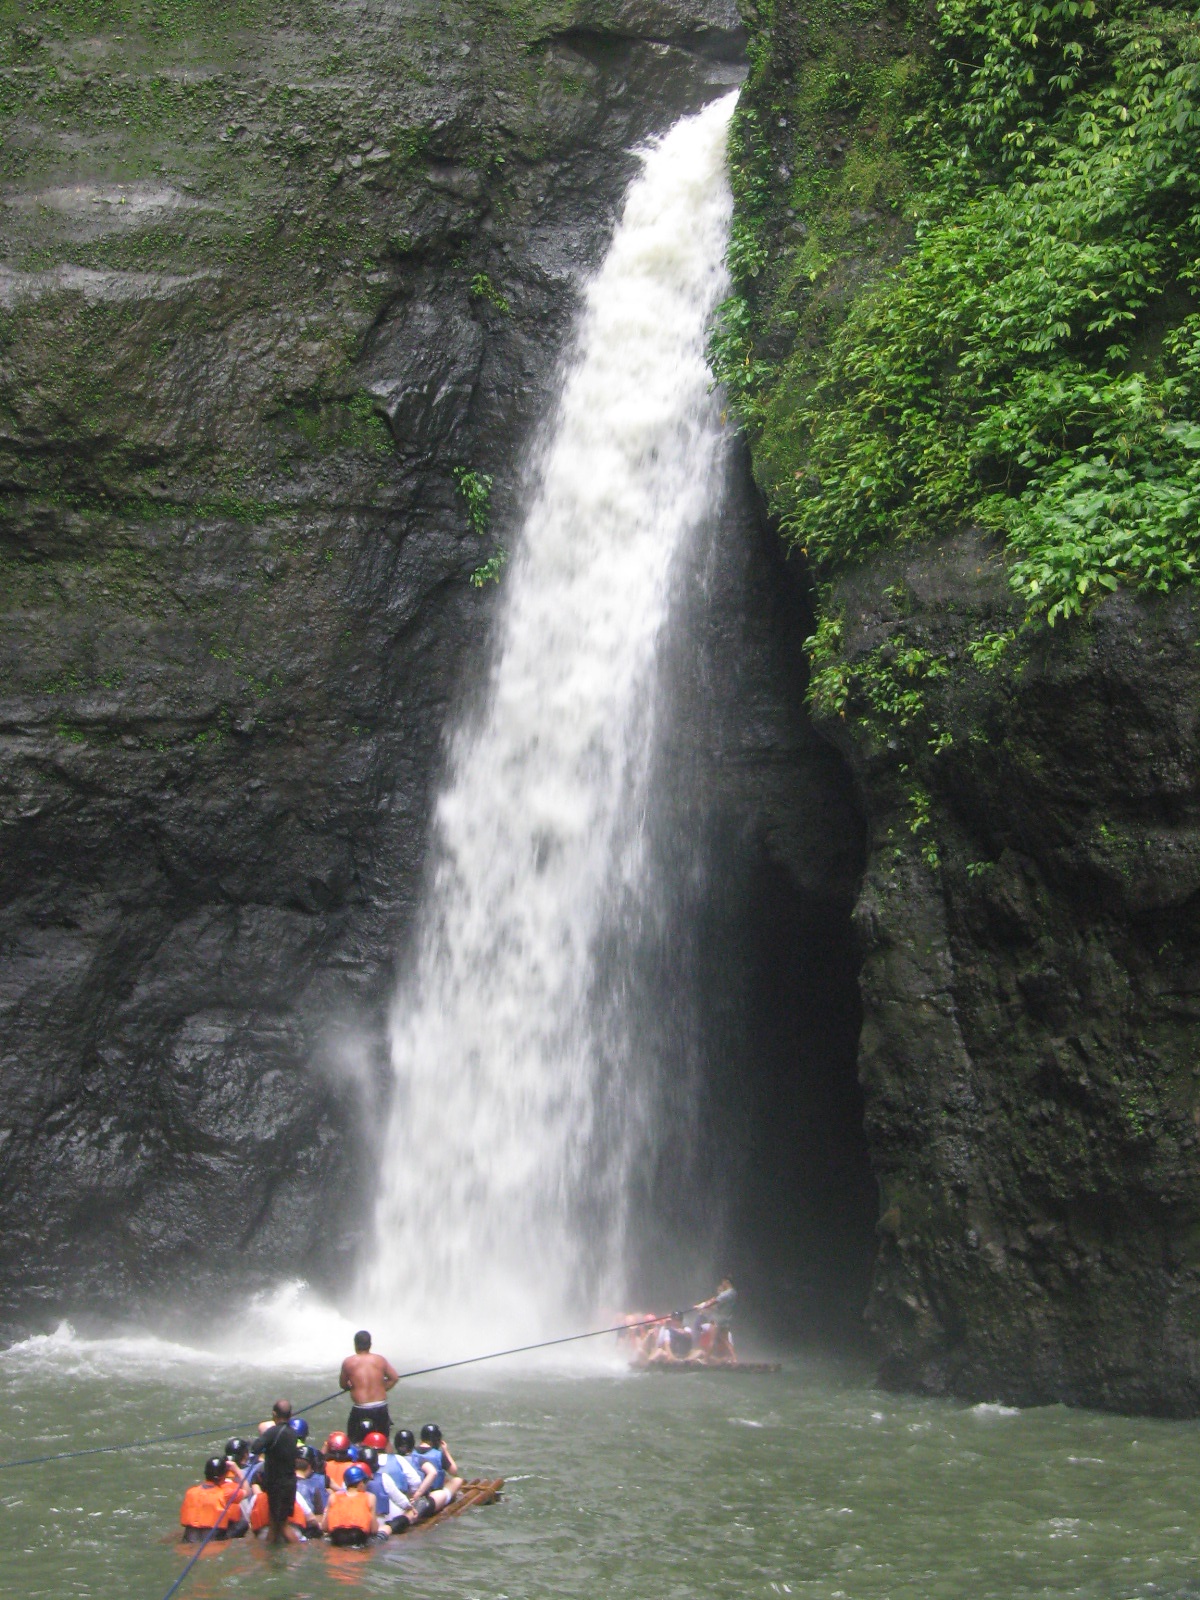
point(312, 1405)
point(161, 1438)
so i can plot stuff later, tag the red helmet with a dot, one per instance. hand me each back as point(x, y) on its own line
point(375, 1440)
point(337, 1444)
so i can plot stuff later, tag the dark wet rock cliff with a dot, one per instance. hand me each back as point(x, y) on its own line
point(272, 281)
point(1028, 921)
point(1031, 993)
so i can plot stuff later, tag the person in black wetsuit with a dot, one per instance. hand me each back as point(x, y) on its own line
point(277, 1445)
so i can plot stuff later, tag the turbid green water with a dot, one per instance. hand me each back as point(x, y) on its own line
point(810, 1483)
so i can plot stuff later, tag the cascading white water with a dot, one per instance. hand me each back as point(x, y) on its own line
point(517, 1109)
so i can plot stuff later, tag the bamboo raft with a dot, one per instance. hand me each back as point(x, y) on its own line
point(755, 1367)
point(478, 1492)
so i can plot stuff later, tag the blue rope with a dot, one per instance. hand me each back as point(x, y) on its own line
point(419, 1372)
point(422, 1372)
point(162, 1438)
point(243, 1479)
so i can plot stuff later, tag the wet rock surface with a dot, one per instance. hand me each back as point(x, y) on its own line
point(757, 847)
point(1030, 968)
point(268, 292)
point(1027, 921)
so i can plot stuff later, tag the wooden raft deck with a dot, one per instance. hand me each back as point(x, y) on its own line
point(478, 1492)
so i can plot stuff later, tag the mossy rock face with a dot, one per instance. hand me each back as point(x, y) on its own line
point(243, 351)
point(1027, 920)
point(1030, 948)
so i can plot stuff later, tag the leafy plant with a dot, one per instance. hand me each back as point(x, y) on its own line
point(483, 288)
point(491, 569)
point(920, 823)
point(1032, 363)
point(988, 651)
point(476, 490)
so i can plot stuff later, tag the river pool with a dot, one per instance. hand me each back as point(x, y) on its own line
point(810, 1482)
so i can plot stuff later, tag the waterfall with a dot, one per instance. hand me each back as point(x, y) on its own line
point(520, 1103)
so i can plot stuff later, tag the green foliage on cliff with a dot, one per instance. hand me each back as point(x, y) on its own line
point(1004, 331)
point(476, 490)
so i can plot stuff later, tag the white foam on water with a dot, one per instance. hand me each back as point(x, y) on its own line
point(288, 1331)
point(988, 1408)
point(287, 1328)
point(519, 1103)
point(74, 1355)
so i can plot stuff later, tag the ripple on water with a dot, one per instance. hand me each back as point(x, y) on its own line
point(629, 1491)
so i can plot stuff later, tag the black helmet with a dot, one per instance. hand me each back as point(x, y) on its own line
point(431, 1434)
point(370, 1457)
point(405, 1443)
point(307, 1453)
point(237, 1450)
point(214, 1469)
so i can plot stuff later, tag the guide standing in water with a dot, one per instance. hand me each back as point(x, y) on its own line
point(368, 1377)
point(277, 1444)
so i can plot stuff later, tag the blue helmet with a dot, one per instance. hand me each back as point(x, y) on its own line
point(299, 1427)
point(354, 1476)
point(353, 1453)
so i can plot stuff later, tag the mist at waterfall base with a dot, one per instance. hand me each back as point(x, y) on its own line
point(524, 1100)
point(540, 1016)
point(563, 1141)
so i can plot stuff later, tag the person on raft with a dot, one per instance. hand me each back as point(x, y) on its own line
point(721, 1305)
point(350, 1517)
point(213, 1504)
point(673, 1341)
point(277, 1444)
point(405, 1484)
point(311, 1494)
point(368, 1377)
point(434, 1451)
point(237, 1458)
point(338, 1459)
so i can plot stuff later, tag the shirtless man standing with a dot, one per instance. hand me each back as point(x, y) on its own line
point(368, 1378)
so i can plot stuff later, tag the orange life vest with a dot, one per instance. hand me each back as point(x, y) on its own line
point(204, 1504)
point(335, 1471)
point(260, 1513)
point(354, 1509)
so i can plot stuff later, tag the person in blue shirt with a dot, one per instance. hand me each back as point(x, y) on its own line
point(312, 1494)
point(406, 1483)
point(434, 1451)
point(376, 1485)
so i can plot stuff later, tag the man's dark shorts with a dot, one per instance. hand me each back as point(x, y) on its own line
point(349, 1536)
point(368, 1419)
point(281, 1500)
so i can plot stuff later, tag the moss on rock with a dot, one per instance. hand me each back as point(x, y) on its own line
point(933, 385)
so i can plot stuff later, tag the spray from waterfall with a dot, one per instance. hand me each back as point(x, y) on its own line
point(520, 1100)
